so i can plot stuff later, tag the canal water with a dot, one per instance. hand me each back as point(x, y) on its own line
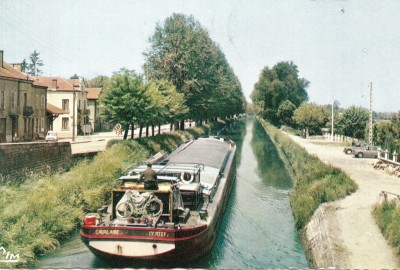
point(257, 229)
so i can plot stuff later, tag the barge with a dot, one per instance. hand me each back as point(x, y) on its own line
point(176, 222)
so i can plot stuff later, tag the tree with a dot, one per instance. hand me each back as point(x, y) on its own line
point(24, 66)
point(129, 101)
point(277, 85)
point(125, 101)
point(387, 134)
point(311, 117)
point(98, 81)
point(174, 102)
point(32, 68)
point(182, 52)
point(285, 112)
point(353, 122)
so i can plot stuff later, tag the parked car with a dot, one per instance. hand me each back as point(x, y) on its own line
point(51, 136)
point(349, 150)
point(368, 151)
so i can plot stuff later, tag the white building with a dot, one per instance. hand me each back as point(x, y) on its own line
point(69, 95)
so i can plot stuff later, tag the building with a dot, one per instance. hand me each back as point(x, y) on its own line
point(93, 95)
point(22, 105)
point(68, 105)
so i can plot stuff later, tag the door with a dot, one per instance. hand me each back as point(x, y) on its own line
point(2, 130)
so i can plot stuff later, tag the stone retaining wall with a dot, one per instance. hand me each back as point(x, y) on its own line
point(317, 242)
point(17, 159)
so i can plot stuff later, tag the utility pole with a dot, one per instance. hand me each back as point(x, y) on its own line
point(333, 102)
point(73, 116)
point(370, 114)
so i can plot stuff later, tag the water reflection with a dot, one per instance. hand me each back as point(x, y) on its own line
point(270, 166)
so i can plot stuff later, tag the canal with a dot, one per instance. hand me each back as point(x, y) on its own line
point(257, 229)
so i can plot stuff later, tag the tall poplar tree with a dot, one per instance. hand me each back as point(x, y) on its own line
point(182, 52)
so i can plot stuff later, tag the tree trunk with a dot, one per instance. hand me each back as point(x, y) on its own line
point(176, 127)
point(126, 133)
point(140, 131)
point(147, 131)
point(182, 125)
point(171, 126)
point(152, 130)
point(159, 129)
point(132, 131)
point(306, 132)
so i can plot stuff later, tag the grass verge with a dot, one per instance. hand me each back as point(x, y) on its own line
point(43, 209)
point(387, 216)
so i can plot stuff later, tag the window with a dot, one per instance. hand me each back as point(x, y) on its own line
point(42, 124)
point(25, 125)
point(14, 100)
point(65, 105)
point(65, 123)
point(36, 124)
point(43, 105)
point(37, 101)
point(1, 99)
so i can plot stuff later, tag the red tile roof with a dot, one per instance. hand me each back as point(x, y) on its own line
point(55, 110)
point(8, 71)
point(93, 93)
point(58, 83)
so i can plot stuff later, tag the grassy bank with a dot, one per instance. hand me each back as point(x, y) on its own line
point(314, 181)
point(37, 213)
point(387, 216)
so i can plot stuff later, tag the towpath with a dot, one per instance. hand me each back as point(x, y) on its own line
point(357, 242)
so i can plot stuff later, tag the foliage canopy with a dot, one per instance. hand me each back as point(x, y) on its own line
point(311, 117)
point(277, 85)
point(129, 100)
point(182, 52)
point(353, 122)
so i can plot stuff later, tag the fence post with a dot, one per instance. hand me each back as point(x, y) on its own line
point(395, 156)
point(386, 154)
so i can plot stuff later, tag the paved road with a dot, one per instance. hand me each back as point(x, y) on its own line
point(357, 240)
point(98, 141)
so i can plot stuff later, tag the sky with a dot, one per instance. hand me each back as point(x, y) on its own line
point(340, 47)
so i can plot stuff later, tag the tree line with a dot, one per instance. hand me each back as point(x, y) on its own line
point(280, 97)
point(185, 76)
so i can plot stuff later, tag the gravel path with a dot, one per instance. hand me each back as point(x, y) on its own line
point(357, 240)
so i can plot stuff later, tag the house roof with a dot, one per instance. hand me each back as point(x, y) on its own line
point(37, 83)
point(58, 83)
point(55, 110)
point(8, 71)
point(93, 93)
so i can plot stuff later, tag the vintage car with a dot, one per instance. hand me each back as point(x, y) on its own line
point(349, 150)
point(368, 151)
point(51, 136)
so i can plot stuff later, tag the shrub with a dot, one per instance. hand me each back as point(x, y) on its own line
point(387, 216)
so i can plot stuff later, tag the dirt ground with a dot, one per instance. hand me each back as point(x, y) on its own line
point(356, 239)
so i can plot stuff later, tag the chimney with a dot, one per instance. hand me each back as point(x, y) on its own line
point(54, 84)
point(1, 58)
